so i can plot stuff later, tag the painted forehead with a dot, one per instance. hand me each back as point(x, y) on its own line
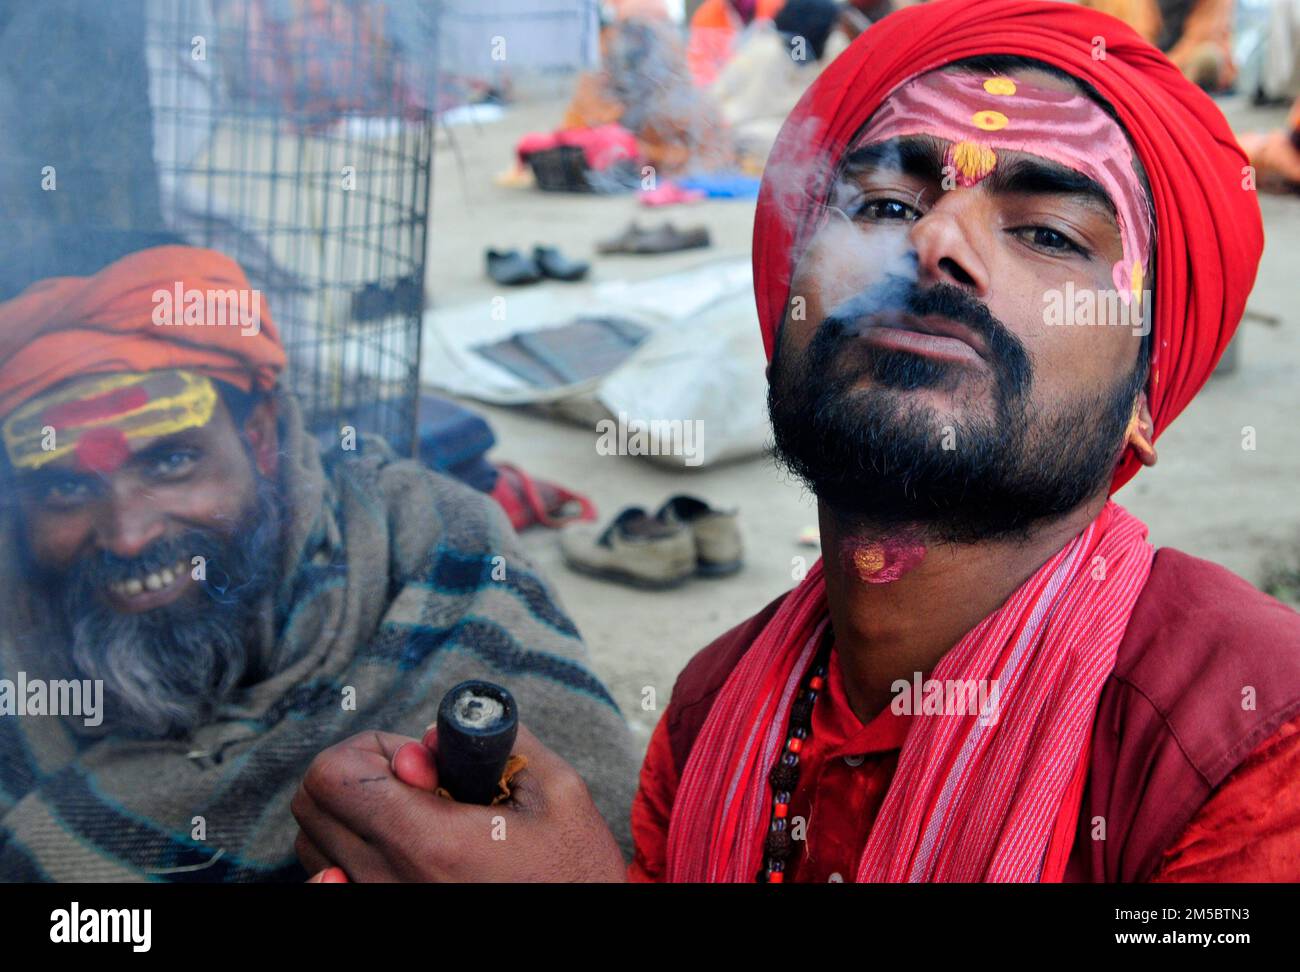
point(982, 115)
point(94, 419)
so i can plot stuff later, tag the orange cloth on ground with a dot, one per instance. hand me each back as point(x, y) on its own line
point(1247, 831)
point(66, 327)
point(591, 105)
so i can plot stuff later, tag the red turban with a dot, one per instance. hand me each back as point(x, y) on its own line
point(1208, 228)
point(67, 327)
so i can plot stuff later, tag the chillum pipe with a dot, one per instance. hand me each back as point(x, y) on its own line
point(477, 725)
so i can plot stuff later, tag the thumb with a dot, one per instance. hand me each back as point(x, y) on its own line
point(331, 875)
point(414, 765)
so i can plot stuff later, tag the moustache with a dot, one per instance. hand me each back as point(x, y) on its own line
point(103, 567)
point(235, 569)
point(899, 294)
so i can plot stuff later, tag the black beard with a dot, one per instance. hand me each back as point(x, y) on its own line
point(165, 671)
point(878, 461)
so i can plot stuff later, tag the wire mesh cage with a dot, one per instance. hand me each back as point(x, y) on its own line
point(295, 136)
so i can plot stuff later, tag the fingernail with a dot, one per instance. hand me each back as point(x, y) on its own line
point(392, 763)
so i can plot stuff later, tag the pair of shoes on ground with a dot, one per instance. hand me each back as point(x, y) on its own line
point(685, 538)
point(659, 239)
point(512, 268)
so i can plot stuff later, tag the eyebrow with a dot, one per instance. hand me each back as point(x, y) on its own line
point(35, 479)
point(922, 156)
point(1039, 177)
point(914, 155)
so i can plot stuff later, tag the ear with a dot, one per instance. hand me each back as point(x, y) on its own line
point(1141, 429)
point(260, 429)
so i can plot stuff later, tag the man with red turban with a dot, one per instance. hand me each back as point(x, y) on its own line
point(998, 248)
point(206, 599)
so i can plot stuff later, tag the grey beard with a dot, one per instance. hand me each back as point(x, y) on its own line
point(163, 677)
point(165, 672)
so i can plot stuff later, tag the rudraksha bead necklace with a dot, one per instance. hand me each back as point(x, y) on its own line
point(784, 776)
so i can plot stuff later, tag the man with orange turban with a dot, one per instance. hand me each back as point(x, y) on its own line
point(998, 248)
point(207, 599)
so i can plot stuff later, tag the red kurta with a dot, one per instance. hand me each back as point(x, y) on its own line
point(1248, 831)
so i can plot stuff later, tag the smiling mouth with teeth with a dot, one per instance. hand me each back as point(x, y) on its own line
point(159, 580)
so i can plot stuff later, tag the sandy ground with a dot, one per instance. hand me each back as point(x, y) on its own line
point(1207, 496)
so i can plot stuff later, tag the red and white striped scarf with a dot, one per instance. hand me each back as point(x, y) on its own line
point(968, 801)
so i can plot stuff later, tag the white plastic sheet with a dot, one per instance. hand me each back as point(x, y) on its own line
point(702, 363)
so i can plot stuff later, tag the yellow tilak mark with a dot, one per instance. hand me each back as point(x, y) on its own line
point(989, 120)
point(973, 160)
point(1135, 282)
point(77, 391)
point(1000, 86)
point(194, 405)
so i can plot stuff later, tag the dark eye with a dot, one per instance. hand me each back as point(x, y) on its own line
point(174, 463)
point(886, 209)
point(1046, 238)
point(65, 492)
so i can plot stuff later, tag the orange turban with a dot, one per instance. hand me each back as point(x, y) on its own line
point(119, 321)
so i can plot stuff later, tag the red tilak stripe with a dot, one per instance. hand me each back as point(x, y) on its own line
point(102, 406)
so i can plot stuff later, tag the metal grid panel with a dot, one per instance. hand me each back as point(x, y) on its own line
point(293, 136)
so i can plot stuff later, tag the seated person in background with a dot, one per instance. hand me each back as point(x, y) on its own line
point(1195, 34)
point(170, 530)
point(1276, 154)
point(774, 66)
point(715, 29)
point(1142, 15)
point(643, 85)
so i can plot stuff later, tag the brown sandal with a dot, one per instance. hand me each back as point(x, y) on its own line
point(662, 239)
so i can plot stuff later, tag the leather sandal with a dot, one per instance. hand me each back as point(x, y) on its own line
point(661, 239)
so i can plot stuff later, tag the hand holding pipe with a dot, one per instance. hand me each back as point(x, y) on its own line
point(477, 725)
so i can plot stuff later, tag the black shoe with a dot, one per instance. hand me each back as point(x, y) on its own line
point(512, 268)
point(557, 266)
